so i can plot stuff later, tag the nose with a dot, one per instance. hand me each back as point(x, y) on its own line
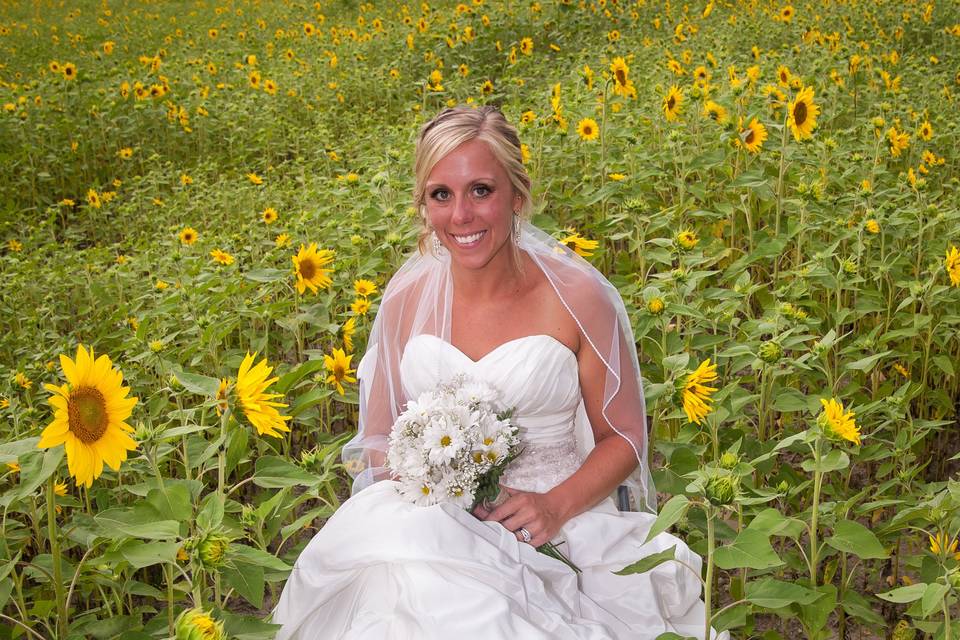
point(462, 212)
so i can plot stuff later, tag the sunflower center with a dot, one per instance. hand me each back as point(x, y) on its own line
point(308, 269)
point(671, 102)
point(87, 411)
point(621, 77)
point(800, 113)
point(749, 137)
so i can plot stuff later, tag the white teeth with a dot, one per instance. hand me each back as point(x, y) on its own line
point(469, 239)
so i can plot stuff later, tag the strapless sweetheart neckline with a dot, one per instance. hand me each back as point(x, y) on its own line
point(501, 346)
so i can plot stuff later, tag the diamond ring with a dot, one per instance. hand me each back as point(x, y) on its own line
point(525, 534)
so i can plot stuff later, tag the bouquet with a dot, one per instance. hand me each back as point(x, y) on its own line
point(452, 444)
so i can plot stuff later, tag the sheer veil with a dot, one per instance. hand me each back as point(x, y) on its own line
point(418, 299)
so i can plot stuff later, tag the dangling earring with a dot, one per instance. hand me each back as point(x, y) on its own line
point(516, 228)
point(438, 248)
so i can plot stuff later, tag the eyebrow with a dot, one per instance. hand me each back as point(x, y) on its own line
point(432, 185)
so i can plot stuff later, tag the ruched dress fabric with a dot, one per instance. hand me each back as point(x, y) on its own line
point(384, 568)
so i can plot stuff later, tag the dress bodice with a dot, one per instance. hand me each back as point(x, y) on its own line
point(536, 375)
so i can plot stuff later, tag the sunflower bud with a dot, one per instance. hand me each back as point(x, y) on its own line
point(721, 490)
point(212, 550)
point(770, 351)
point(248, 516)
point(783, 486)
point(954, 578)
point(194, 624)
point(729, 460)
point(655, 306)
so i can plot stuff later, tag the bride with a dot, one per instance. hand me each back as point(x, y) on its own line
point(490, 295)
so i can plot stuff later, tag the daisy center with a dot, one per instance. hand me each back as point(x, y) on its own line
point(87, 411)
point(445, 441)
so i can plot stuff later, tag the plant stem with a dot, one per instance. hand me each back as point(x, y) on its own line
point(814, 513)
point(55, 559)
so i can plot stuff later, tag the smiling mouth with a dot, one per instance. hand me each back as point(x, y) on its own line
point(466, 240)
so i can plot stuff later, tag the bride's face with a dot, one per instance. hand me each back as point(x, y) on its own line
point(470, 203)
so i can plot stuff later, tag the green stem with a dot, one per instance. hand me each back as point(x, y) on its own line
point(222, 453)
point(708, 586)
point(55, 558)
point(947, 632)
point(814, 514)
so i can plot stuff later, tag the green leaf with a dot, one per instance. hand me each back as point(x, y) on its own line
point(309, 399)
point(176, 432)
point(751, 549)
point(117, 523)
point(144, 554)
point(266, 275)
point(865, 364)
point(855, 538)
point(248, 582)
point(38, 468)
point(932, 599)
point(774, 594)
point(273, 472)
point(240, 627)
point(211, 512)
point(906, 594)
point(858, 607)
point(171, 502)
point(771, 522)
point(324, 511)
point(288, 380)
point(649, 562)
point(242, 554)
point(790, 400)
point(836, 459)
point(816, 614)
point(195, 383)
point(675, 509)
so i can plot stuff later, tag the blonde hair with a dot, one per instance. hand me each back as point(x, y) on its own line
point(448, 130)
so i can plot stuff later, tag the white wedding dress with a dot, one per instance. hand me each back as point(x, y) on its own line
point(384, 569)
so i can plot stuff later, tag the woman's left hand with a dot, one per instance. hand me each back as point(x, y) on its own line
point(538, 513)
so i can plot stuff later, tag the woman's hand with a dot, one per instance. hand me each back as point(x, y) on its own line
point(538, 513)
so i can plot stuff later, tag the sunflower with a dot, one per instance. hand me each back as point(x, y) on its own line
point(899, 140)
point(526, 46)
point(89, 415)
point(941, 544)
point(188, 235)
point(925, 131)
point(269, 215)
point(338, 365)
point(836, 423)
point(952, 264)
point(221, 257)
point(308, 266)
point(486, 88)
point(258, 406)
point(93, 198)
point(695, 394)
point(254, 79)
point(360, 306)
point(802, 114)
point(783, 76)
point(786, 14)
point(270, 87)
point(254, 178)
point(687, 239)
point(753, 136)
point(54, 66)
point(716, 112)
point(364, 288)
point(349, 327)
point(578, 243)
point(701, 76)
point(622, 84)
point(69, 71)
point(588, 129)
point(672, 103)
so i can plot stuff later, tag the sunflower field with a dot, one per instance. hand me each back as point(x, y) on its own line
point(202, 202)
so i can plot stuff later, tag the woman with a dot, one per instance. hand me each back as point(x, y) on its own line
point(500, 300)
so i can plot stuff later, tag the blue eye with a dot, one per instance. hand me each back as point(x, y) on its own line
point(439, 194)
point(482, 190)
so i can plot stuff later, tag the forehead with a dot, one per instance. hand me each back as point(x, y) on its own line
point(470, 160)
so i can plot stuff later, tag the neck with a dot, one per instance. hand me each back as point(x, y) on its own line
point(498, 279)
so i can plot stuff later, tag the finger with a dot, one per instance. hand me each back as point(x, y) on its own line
point(514, 522)
point(505, 510)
